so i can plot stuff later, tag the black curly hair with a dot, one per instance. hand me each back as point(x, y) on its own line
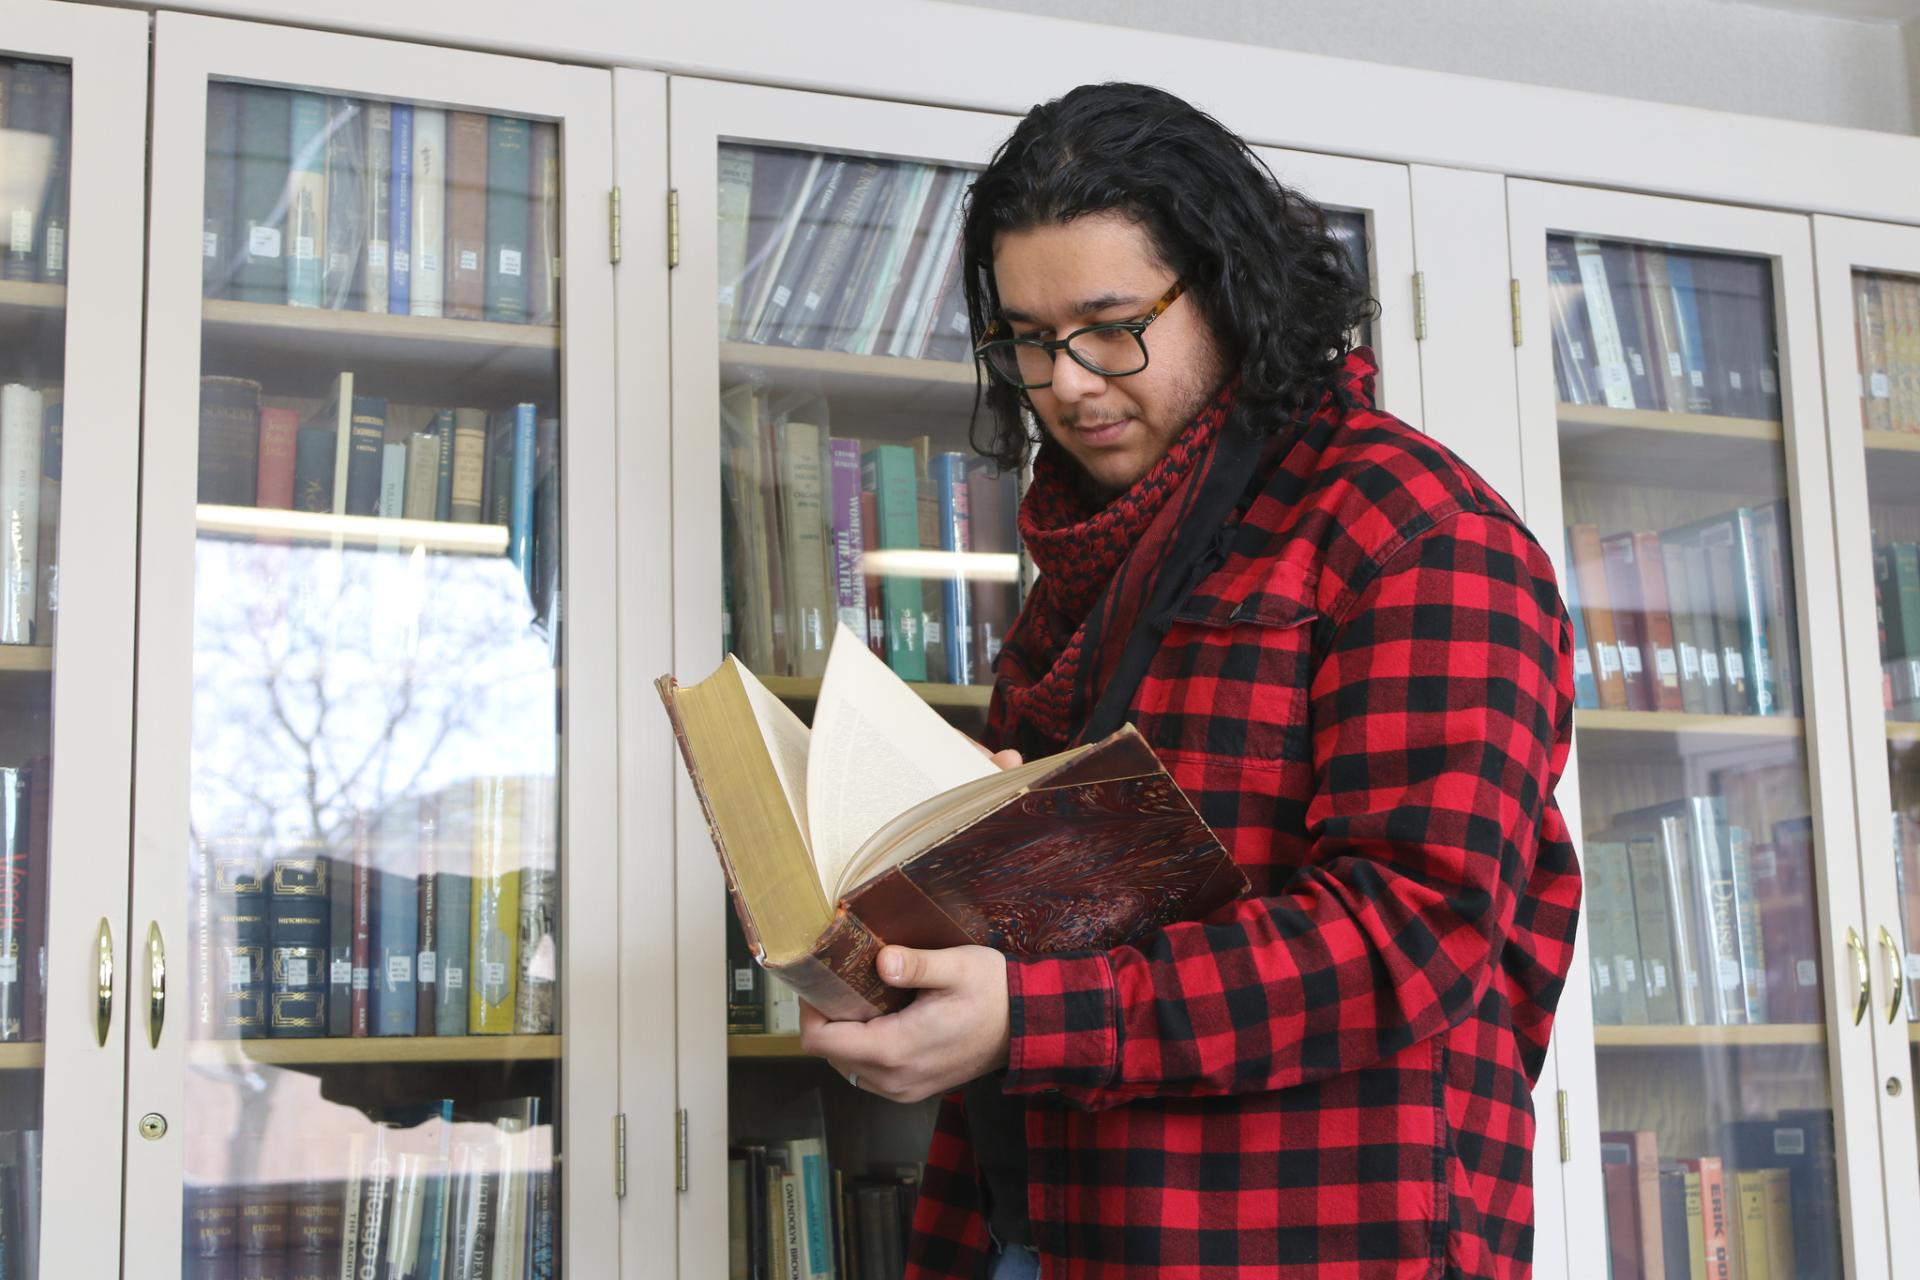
point(1276, 288)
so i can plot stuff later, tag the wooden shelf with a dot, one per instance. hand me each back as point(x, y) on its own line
point(1893, 441)
point(22, 1057)
point(903, 386)
point(33, 331)
point(374, 1049)
point(325, 528)
point(1903, 731)
point(1672, 450)
point(297, 351)
point(807, 689)
point(1893, 468)
point(27, 658)
point(764, 1046)
point(24, 295)
point(1764, 1036)
point(1640, 735)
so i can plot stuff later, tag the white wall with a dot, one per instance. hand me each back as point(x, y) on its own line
point(1706, 53)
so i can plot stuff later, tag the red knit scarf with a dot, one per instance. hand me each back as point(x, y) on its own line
point(1096, 567)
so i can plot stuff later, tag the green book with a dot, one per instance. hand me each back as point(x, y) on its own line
point(889, 470)
point(509, 188)
point(260, 207)
point(494, 914)
point(306, 239)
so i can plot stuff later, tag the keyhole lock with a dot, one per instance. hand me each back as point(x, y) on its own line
point(1893, 1086)
point(153, 1126)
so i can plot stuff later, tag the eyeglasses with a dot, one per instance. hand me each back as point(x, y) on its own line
point(1112, 350)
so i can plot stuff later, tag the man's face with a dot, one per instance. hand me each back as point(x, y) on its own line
point(1102, 267)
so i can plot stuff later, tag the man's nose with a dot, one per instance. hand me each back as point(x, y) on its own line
point(1073, 380)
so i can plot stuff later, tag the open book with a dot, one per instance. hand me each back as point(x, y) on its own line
point(884, 824)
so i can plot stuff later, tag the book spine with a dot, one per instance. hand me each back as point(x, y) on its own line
point(466, 485)
point(497, 496)
point(52, 450)
point(13, 905)
point(849, 584)
point(810, 603)
point(376, 271)
point(443, 464)
point(240, 921)
point(260, 212)
point(313, 470)
point(1654, 925)
point(1751, 601)
point(1716, 545)
point(342, 278)
point(229, 442)
point(298, 930)
point(1870, 344)
point(799, 252)
point(1590, 567)
point(466, 271)
point(889, 471)
point(538, 958)
point(1627, 962)
point(393, 480)
point(1616, 384)
point(956, 535)
point(361, 1005)
point(1586, 693)
point(1652, 583)
point(933, 603)
point(306, 199)
point(799, 324)
point(1692, 340)
point(494, 921)
point(1603, 917)
point(366, 456)
point(423, 475)
point(543, 225)
point(33, 961)
point(279, 436)
point(21, 414)
point(57, 125)
point(1706, 628)
point(1753, 960)
point(218, 250)
point(509, 179)
point(340, 882)
point(426, 889)
point(1630, 621)
point(1676, 594)
point(400, 214)
point(734, 198)
point(519, 522)
point(426, 290)
point(1720, 924)
point(1624, 274)
point(1574, 372)
point(872, 583)
point(1664, 329)
point(396, 940)
point(453, 890)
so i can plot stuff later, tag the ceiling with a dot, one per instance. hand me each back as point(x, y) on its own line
point(1860, 10)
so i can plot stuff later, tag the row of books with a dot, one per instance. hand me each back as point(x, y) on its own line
point(36, 112)
point(23, 899)
point(802, 511)
point(758, 1002)
point(1695, 922)
point(32, 421)
point(842, 253)
point(1896, 594)
point(357, 205)
point(1640, 327)
point(792, 1215)
point(1906, 872)
point(431, 1192)
point(362, 455)
point(1886, 332)
point(1699, 618)
point(441, 919)
point(20, 1160)
point(1762, 1209)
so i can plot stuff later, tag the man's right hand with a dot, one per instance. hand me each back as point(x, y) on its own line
point(1007, 759)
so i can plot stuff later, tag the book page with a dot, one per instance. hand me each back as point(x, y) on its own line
point(878, 750)
point(786, 737)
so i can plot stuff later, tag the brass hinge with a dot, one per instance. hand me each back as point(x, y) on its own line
point(1419, 306)
point(680, 1150)
point(613, 226)
point(620, 1155)
point(1566, 1128)
point(1516, 313)
point(673, 228)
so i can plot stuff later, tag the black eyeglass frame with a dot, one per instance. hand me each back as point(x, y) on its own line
point(983, 352)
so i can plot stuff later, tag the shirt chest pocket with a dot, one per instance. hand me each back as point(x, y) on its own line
point(1231, 678)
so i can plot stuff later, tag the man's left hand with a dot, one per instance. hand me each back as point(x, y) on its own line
point(954, 1031)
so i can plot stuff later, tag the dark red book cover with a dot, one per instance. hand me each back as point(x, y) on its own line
point(427, 957)
point(1783, 890)
point(1659, 620)
point(870, 541)
point(1629, 619)
point(466, 247)
point(1623, 1218)
point(279, 430)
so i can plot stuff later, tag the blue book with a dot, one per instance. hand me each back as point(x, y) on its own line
point(453, 901)
point(396, 939)
point(1586, 693)
point(1693, 345)
point(950, 487)
point(400, 215)
point(443, 496)
point(520, 496)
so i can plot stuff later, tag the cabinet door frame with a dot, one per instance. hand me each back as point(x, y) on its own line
point(82, 1080)
point(1840, 246)
point(188, 50)
point(703, 114)
point(1535, 210)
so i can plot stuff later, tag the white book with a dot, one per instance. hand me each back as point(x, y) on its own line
point(735, 193)
point(338, 409)
point(810, 597)
point(378, 122)
point(393, 480)
point(1615, 381)
point(930, 270)
point(21, 411)
point(429, 211)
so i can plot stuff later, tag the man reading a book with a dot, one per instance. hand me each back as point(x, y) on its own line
point(1349, 653)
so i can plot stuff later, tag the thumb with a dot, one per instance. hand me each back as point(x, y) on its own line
point(908, 967)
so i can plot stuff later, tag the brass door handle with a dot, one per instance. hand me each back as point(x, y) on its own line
point(1892, 949)
point(103, 1010)
point(156, 983)
point(1861, 974)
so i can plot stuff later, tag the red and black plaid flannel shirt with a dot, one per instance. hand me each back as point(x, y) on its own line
point(1370, 703)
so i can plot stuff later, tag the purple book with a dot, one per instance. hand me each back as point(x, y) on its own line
point(849, 585)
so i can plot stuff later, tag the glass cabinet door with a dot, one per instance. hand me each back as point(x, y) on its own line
point(361, 886)
point(1870, 308)
point(66, 623)
point(1682, 490)
point(827, 484)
